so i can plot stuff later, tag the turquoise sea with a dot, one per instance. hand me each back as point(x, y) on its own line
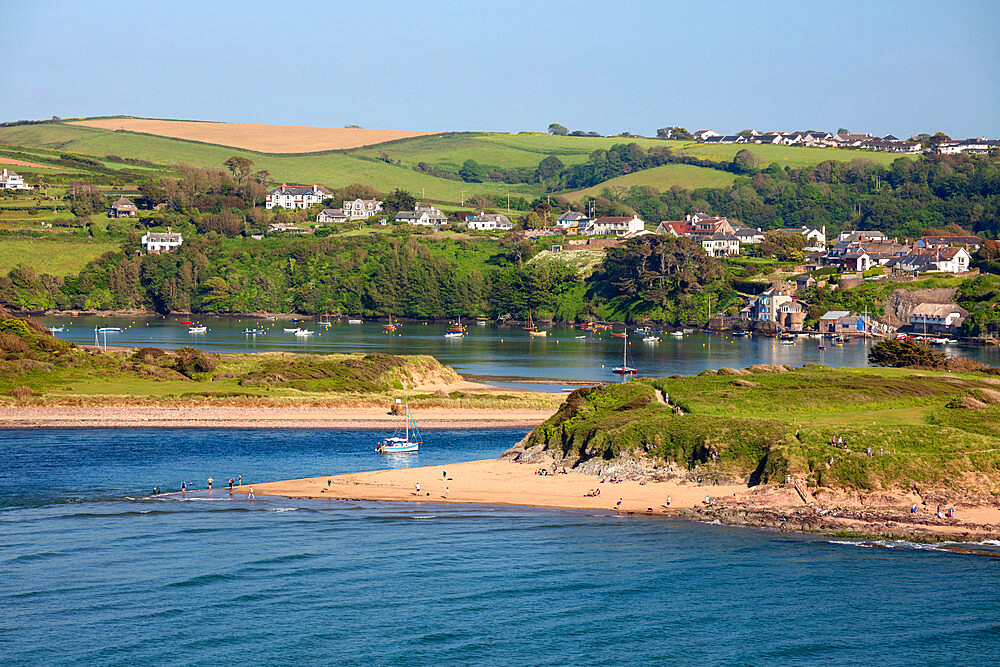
point(94, 571)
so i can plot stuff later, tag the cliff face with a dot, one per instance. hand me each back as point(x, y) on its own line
point(902, 302)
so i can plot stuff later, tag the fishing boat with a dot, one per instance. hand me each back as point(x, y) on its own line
point(456, 327)
point(624, 369)
point(410, 442)
point(56, 329)
point(651, 339)
point(391, 326)
point(295, 330)
point(454, 334)
point(109, 330)
point(303, 332)
point(197, 330)
point(531, 324)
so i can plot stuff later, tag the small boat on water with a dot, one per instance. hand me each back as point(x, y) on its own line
point(391, 326)
point(581, 337)
point(538, 333)
point(295, 330)
point(531, 324)
point(56, 329)
point(396, 444)
point(304, 332)
point(197, 330)
point(325, 325)
point(622, 334)
point(740, 334)
point(481, 322)
point(109, 330)
point(651, 339)
point(454, 334)
point(271, 318)
point(252, 332)
point(354, 321)
point(677, 334)
point(624, 369)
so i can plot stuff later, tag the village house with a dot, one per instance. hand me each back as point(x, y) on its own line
point(360, 209)
point(701, 135)
point(868, 235)
point(815, 236)
point(296, 196)
point(777, 306)
point(937, 318)
point(978, 145)
point(329, 215)
point(427, 216)
point(123, 208)
point(674, 228)
point(970, 243)
point(720, 245)
point(947, 260)
point(157, 242)
point(804, 282)
point(12, 181)
point(748, 235)
point(615, 225)
point(572, 220)
point(828, 320)
point(489, 221)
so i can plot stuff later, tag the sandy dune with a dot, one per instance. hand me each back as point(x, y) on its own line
point(264, 138)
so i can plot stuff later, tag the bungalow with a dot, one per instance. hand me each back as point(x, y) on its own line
point(615, 225)
point(709, 226)
point(123, 208)
point(828, 321)
point(10, 180)
point(489, 221)
point(328, 215)
point(360, 209)
point(572, 220)
point(937, 317)
point(157, 242)
point(427, 216)
point(705, 134)
point(296, 196)
point(720, 245)
point(971, 243)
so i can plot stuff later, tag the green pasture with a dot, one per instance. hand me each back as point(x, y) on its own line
point(787, 156)
point(57, 256)
point(662, 178)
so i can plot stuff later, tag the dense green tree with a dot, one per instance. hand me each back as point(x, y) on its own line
point(557, 129)
point(472, 172)
point(549, 167)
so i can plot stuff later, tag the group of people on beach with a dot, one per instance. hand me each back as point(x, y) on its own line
point(233, 482)
point(555, 471)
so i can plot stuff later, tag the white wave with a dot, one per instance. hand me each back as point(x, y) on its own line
point(282, 509)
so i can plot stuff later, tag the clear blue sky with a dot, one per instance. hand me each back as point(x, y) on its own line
point(881, 65)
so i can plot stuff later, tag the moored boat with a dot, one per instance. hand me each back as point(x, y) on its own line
point(197, 330)
point(396, 444)
point(624, 369)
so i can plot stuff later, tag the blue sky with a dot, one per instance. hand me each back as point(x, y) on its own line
point(881, 66)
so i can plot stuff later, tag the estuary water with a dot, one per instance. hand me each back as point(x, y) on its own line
point(97, 572)
point(508, 352)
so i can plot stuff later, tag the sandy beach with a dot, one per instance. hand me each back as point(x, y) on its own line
point(253, 417)
point(501, 482)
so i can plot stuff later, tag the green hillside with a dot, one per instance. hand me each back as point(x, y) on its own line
point(663, 178)
point(787, 156)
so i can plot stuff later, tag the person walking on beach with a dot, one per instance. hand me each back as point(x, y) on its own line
point(418, 487)
point(250, 495)
point(444, 474)
point(446, 492)
point(618, 505)
point(668, 501)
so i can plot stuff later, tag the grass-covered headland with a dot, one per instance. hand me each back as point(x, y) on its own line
point(911, 431)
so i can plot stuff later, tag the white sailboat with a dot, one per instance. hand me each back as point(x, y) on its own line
point(396, 444)
point(624, 369)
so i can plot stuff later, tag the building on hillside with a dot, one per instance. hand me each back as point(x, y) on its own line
point(123, 208)
point(968, 146)
point(705, 134)
point(674, 228)
point(937, 318)
point(360, 209)
point(615, 225)
point(10, 180)
point(804, 282)
point(282, 228)
point(868, 235)
point(815, 236)
point(947, 260)
point(857, 260)
point(157, 242)
point(748, 235)
point(708, 225)
point(720, 245)
point(572, 220)
point(329, 215)
point(970, 243)
point(489, 222)
point(828, 321)
point(883, 253)
point(296, 196)
point(777, 306)
point(426, 216)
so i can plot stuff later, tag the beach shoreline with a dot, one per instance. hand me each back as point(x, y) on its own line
point(769, 507)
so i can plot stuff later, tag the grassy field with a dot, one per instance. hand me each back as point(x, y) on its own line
point(445, 151)
point(662, 178)
point(56, 256)
point(915, 423)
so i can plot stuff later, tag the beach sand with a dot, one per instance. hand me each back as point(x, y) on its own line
point(253, 417)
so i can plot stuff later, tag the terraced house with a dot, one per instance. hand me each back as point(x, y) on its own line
point(296, 196)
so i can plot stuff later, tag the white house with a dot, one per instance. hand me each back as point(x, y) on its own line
point(615, 225)
point(947, 260)
point(328, 215)
point(953, 260)
point(705, 134)
point(748, 235)
point(721, 245)
point(296, 196)
point(489, 221)
point(359, 209)
point(428, 216)
point(12, 181)
point(815, 236)
point(157, 242)
point(572, 220)
point(937, 316)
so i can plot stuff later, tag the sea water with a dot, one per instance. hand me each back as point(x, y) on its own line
point(94, 571)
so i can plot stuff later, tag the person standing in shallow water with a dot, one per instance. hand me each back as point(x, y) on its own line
point(250, 495)
point(210, 480)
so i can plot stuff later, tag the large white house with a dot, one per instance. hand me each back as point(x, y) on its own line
point(721, 245)
point(12, 181)
point(359, 209)
point(296, 196)
point(489, 221)
point(428, 216)
point(157, 242)
point(615, 225)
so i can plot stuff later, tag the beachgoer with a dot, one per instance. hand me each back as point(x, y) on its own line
point(328, 484)
point(913, 510)
point(240, 480)
point(939, 515)
point(446, 492)
point(618, 505)
point(707, 500)
point(210, 480)
point(840, 441)
point(598, 492)
point(668, 501)
point(250, 495)
point(418, 487)
point(184, 486)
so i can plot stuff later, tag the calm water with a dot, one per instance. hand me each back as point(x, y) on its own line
point(495, 351)
point(96, 573)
